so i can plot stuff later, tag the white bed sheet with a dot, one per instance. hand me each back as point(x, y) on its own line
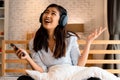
point(68, 72)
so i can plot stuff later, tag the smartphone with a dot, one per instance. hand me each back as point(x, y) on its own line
point(16, 48)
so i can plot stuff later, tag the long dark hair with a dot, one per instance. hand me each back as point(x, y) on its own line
point(60, 33)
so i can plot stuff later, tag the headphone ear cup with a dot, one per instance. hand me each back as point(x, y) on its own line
point(40, 19)
point(63, 20)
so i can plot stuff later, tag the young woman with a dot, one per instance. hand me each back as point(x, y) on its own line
point(53, 44)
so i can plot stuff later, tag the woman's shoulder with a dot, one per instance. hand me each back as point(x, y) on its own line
point(71, 37)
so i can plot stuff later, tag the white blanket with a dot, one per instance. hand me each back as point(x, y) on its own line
point(68, 72)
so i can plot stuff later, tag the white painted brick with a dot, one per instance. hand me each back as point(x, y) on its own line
point(24, 15)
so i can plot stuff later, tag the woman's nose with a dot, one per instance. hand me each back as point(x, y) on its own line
point(48, 15)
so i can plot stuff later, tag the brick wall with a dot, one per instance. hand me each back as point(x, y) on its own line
point(24, 14)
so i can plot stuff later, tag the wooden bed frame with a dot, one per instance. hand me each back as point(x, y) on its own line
point(72, 27)
point(5, 60)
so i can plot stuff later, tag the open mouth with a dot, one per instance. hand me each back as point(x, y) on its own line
point(47, 21)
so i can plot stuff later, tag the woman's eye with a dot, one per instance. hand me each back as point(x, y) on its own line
point(53, 13)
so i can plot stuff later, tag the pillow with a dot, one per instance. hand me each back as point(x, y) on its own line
point(54, 73)
point(57, 72)
point(67, 72)
point(37, 75)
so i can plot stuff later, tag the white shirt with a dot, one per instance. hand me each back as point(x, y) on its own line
point(46, 59)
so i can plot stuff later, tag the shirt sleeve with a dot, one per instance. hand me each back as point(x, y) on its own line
point(36, 56)
point(75, 51)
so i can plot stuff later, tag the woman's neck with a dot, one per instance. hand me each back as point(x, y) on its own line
point(51, 35)
point(51, 41)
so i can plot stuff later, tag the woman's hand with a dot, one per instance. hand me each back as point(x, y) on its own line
point(95, 34)
point(83, 58)
point(26, 56)
point(22, 54)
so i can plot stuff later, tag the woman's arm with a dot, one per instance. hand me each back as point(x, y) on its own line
point(84, 55)
point(29, 59)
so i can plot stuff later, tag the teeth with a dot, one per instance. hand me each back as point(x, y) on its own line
point(47, 20)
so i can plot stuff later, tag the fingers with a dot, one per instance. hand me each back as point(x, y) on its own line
point(19, 53)
point(95, 34)
point(100, 30)
point(105, 28)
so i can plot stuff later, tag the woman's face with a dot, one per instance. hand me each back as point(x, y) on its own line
point(50, 18)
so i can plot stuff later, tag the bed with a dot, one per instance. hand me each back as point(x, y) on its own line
point(93, 62)
point(13, 72)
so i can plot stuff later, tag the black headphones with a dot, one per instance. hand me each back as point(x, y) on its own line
point(62, 22)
